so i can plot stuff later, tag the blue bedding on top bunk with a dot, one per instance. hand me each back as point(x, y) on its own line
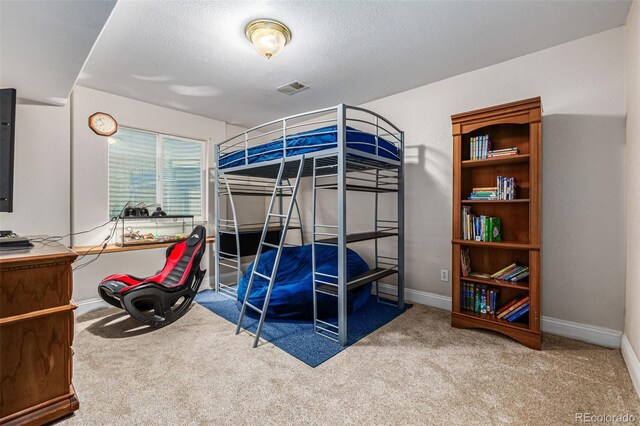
point(292, 294)
point(310, 141)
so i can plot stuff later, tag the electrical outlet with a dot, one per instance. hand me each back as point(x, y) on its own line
point(444, 275)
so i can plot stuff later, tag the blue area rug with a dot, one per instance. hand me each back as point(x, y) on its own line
point(296, 337)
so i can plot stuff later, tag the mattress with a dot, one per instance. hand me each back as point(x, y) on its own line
point(311, 141)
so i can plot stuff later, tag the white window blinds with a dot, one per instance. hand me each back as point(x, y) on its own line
point(132, 169)
point(181, 176)
point(156, 169)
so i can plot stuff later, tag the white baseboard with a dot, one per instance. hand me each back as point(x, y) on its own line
point(91, 305)
point(587, 333)
point(583, 332)
point(421, 297)
point(633, 363)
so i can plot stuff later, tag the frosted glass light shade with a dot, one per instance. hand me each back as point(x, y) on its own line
point(268, 37)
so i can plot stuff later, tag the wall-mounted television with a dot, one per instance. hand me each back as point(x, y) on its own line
point(7, 144)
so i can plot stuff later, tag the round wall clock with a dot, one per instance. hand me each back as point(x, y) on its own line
point(103, 124)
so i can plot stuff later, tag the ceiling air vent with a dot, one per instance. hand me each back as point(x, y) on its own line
point(293, 87)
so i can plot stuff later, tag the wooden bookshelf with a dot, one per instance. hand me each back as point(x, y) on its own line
point(517, 124)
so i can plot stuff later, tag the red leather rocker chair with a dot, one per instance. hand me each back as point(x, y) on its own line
point(163, 298)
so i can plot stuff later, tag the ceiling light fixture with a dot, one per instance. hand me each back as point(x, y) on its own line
point(268, 36)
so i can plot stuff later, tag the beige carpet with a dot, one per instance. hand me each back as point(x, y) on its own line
point(415, 370)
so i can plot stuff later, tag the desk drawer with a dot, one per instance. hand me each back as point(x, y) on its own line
point(34, 361)
point(25, 289)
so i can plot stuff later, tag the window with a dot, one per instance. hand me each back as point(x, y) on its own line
point(156, 169)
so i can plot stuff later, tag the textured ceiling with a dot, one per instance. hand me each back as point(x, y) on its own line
point(44, 45)
point(193, 55)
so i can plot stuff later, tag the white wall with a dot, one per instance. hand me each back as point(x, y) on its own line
point(42, 172)
point(632, 168)
point(581, 85)
point(90, 178)
point(231, 130)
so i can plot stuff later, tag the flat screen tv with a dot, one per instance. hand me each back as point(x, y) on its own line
point(7, 143)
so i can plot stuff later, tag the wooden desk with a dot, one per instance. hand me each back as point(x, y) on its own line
point(36, 333)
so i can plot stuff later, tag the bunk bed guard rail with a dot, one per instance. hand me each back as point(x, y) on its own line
point(387, 141)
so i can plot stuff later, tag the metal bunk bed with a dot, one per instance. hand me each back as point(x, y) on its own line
point(361, 152)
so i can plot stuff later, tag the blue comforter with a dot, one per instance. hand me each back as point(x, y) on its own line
point(310, 141)
point(292, 295)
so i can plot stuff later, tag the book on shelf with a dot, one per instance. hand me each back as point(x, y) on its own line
point(465, 261)
point(497, 153)
point(480, 228)
point(513, 308)
point(513, 272)
point(505, 189)
point(478, 275)
point(479, 298)
point(479, 147)
point(515, 315)
point(506, 306)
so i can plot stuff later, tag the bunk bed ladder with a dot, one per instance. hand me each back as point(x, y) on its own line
point(296, 206)
point(285, 219)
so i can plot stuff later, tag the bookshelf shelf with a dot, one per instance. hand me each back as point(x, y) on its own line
point(511, 159)
point(524, 285)
point(515, 245)
point(519, 200)
point(509, 126)
point(493, 319)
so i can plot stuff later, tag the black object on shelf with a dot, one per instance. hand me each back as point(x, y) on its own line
point(159, 212)
point(14, 242)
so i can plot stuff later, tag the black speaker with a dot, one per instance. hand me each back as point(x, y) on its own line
point(7, 144)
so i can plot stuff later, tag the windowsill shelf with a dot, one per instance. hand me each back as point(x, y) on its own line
point(112, 248)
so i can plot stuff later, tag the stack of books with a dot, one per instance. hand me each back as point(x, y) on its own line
point(479, 298)
point(512, 272)
point(479, 148)
point(513, 310)
point(484, 193)
point(496, 153)
point(505, 188)
point(480, 228)
point(465, 261)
